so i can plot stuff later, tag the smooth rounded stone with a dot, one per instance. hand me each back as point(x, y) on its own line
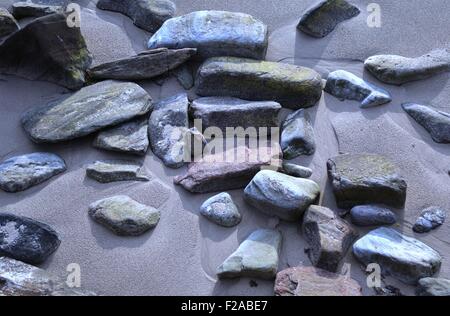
point(23, 9)
point(221, 210)
point(397, 70)
point(311, 281)
point(329, 237)
point(292, 86)
point(322, 18)
point(25, 239)
point(94, 107)
point(363, 179)
point(371, 215)
point(146, 65)
point(124, 216)
point(437, 123)
point(277, 194)
point(60, 55)
point(296, 170)
point(297, 135)
point(256, 257)
point(116, 170)
point(433, 287)
point(429, 219)
point(346, 86)
point(22, 172)
point(8, 23)
point(214, 34)
point(405, 258)
point(146, 14)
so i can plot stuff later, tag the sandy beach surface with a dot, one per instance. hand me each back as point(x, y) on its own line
point(180, 256)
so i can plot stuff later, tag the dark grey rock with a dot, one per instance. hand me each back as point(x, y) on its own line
point(185, 76)
point(23, 9)
point(8, 23)
point(371, 215)
point(296, 170)
point(221, 210)
point(297, 135)
point(433, 287)
point(116, 170)
point(429, 219)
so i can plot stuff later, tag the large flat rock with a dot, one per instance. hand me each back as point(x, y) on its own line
point(106, 171)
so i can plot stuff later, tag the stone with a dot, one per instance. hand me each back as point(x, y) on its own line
point(292, 86)
point(311, 281)
point(329, 237)
point(371, 215)
point(116, 170)
point(361, 179)
point(397, 70)
point(322, 18)
point(256, 257)
point(146, 65)
point(124, 216)
point(59, 53)
point(24, 9)
point(148, 15)
point(404, 258)
point(296, 170)
point(433, 287)
point(429, 219)
point(346, 86)
point(22, 172)
point(221, 210)
point(277, 194)
point(25, 239)
point(214, 34)
point(437, 123)
point(8, 23)
point(184, 75)
point(94, 107)
point(297, 135)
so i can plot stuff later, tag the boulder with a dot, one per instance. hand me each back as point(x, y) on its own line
point(297, 135)
point(296, 170)
point(8, 24)
point(24, 9)
point(429, 219)
point(433, 287)
point(221, 210)
point(371, 215)
point(116, 170)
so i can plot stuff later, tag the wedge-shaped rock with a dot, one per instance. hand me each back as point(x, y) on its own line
point(402, 257)
point(292, 86)
point(92, 108)
point(360, 179)
point(394, 69)
point(8, 24)
point(214, 33)
point(296, 170)
point(433, 287)
point(437, 123)
point(146, 14)
point(256, 257)
point(22, 172)
point(297, 135)
point(23, 9)
point(116, 170)
point(59, 53)
point(221, 210)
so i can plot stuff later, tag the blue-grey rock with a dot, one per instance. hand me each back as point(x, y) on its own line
point(23, 9)
point(433, 287)
point(429, 219)
point(8, 23)
point(185, 76)
point(371, 215)
point(116, 170)
point(297, 135)
point(296, 170)
point(221, 210)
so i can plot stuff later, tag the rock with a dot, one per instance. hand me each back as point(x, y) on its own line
point(116, 170)
point(147, 65)
point(360, 179)
point(256, 257)
point(25, 239)
point(124, 216)
point(430, 218)
point(433, 287)
point(223, 112)
point(296, 170)
point(104, 104)
point(346, 86)
point(185, 77)
point(23, 9)
point(146, 14)
point(214, 34)
point(388, 290)
point(322, 18)
point(402, 257)
point(297, 136)
point(371, 215)
point(59, 56)
point(292, 86)
point(437, 123)
point(311, 281)
point(8, 24)
point(328, 236)
point(221, 210)
point(277, 194)
point(397, 70)
point(22, 172)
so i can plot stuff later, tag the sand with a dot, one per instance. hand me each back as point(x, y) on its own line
point(180, 256)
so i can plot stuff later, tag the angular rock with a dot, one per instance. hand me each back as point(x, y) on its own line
point(147, 65)
point(221, 210)
point(311, 281)
point(146, 14)
point(397, 70)
point(116, 170)
point(256, 257)
point(328, 236)
point(296, 170)
point(184, 75)
point(281, 195)
point(297, 135)
point(402, 257)
point(433, 287)
point(322, 18)
point(124, 216)
point(437, 123)
point(25, 239)
point(59, 53)
point(430, 218)
point(360, 179)
point(23, 9)
point(22, 172)
point(292, 86)
point(214, 34)
point(94, 107)
point(8, 24)
point(371, 215)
